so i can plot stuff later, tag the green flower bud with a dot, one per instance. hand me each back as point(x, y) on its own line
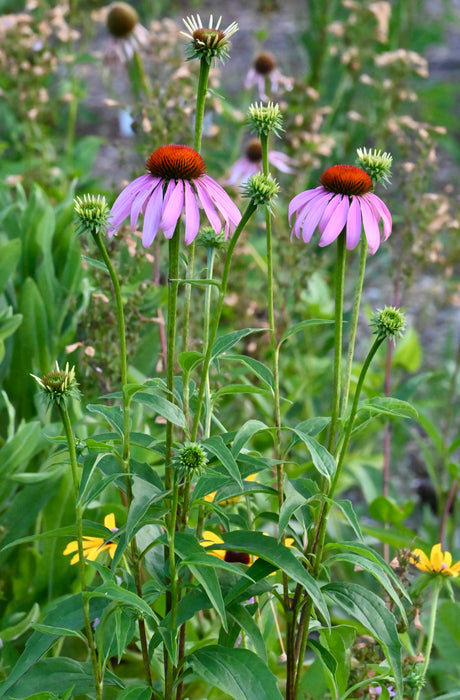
point(92, 214)
point(265, 118)
point(208, 238)
point(191, 458)
point(376, 164)
point(389, 323)
point(262, 189)
point(59, 385)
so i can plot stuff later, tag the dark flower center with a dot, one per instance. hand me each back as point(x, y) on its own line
point(264, 63)
point(175, 162)
point(239, 557)
point(346, 179)
point(254, 151)
point(122, 19)
point(210, 37)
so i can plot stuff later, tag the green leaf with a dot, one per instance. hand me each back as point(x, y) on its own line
point(216, 446)
point(247, 430)
point(370, 611)
point(329, 663)
point(8, 634)
point(9, 323)
point(136, 692)
point(226, 342)
point(388, 406)
point(112, 414)
point(111, 591)
point(240, 389)
point(238, 672)
point(322, 459)
point(291, 504)
point(259, 369)
point(163, 407)
point(408, 351)
point(386, 511)
point(189, 360)
point(300, 326)
point(275, 553)
point(208, 579)
point(347, 509)
point(58, 631)
point(18, 451)
point(10, 254)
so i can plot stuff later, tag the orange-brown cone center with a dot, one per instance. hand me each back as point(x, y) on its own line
point(208, 36)
point(346, 179)
point(175, 162)
point(264, 63)
point(254, 151)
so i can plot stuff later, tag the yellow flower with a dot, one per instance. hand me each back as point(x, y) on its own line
point(93, 546)
point(211, 496)
point(210, 538)
point(438, 563)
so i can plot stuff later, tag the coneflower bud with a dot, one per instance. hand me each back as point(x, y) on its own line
point(262, 189)
point(208, 42)
point(92, 214)
point(265, 118)
point(191, 459)
point(59, 385)
point(208, 238)
point(389, 323)
point(376, 164)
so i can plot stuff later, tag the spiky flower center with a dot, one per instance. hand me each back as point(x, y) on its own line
point(175, 162)
point(264, 64)
point(121, 20)
point(346, 179)
point(208, 36)
point(254, 151)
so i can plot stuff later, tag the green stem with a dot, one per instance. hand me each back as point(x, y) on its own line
point(98, 680)
point(126, 437)
point(429, 644)
point(339, 289)
point(211, 253)
point(251, 208)
point(173, 282)
point(141, 79)
point(354, 322)
point(174, 587)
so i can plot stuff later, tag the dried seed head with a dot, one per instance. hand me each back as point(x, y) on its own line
point(254, 151)
point(264, 64)
point(121, 20)
point(59, 385)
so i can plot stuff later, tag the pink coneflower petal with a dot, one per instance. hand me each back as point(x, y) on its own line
point(300, 199)
point(208, 207)
point(192, 214)
point(370, 225)
point(281, 161)
point(353, 224)
point(173, 207)
point(152, 216)
point(222, 200)
point(315, 213)
point(306, 209)
point(125, 198)
point(336, 222)
point(382, 212)
point(137, 206)
point(328, 212)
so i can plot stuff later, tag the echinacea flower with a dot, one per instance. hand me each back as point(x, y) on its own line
point(176, 182)
point(208, 42)
point(439, 562)
point(93, 546)
point(251, 163)
point(343, 201)
point(127, 34)
point(263, 71)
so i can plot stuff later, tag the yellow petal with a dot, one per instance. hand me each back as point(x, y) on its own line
point(74, 559)
point(420, 560)
point(436, 557)
point(210, 538)
point(455, 567)
point(112, 547)
point(447, 559)
point(210, 497)
point(71, 547)
point(109, 521)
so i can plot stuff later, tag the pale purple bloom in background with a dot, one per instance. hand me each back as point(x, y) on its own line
point(343, 201)
point(176, 183)
point(251, 163)
point(264, 71)
point(378, 690)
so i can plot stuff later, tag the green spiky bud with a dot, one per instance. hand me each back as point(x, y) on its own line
point(208, 238)
point(262, 189)
point(376, 164)
point(191, 458)
point(265, 118)
point(58, 385)
point(389, 323)
point(92, 213)
point(208, 42)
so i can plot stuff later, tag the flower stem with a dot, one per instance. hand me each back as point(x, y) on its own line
point(126, 436)
point(98, 678)
point(354, 321)
point(211, 253)
point(217, 314)
point(339, 289)
point(173, 284)
point(429, 644)
point(174, 587)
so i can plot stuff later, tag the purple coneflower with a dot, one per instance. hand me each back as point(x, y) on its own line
point(343, 201)
point(263, 71)
point(251, 163)
point(176, 181)
point(127, 34)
